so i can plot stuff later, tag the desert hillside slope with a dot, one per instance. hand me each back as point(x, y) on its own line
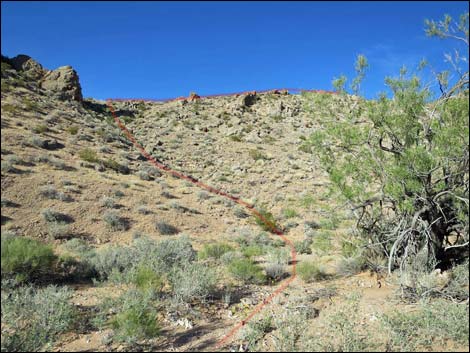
point(144, 261)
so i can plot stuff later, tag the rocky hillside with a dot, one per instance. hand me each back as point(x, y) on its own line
point(152, 262)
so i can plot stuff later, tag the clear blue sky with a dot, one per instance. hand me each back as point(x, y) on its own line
point(167, 49)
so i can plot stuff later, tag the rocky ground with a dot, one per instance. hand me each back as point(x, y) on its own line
point(249, 146)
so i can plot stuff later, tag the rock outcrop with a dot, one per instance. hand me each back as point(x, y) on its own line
point(62, 82)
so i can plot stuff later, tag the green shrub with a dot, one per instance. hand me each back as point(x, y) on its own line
point(39, 129)
point(214, 251)
point(115, 222)
point(193, 281)
point(310, 271)
point(117, 167)
point(136, 318)
point(33, 318)
point(25, 258)
point(304, 246)
point(349, 266)
point(166, 229)
point(247, 271)
point(88, 155)
point(253, 250)
point(72, 130)
point(265, 220)
point(257, 155)
point(289, 213)
point(146, 278)
point(112, 262)
point(433, 324)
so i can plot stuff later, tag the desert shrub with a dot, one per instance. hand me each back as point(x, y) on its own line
point(427, 327)
point(41, 128)
point(52, 216)
point(214, 251)
point(88, 155)
point(112, 262)
point(116, 166)
point(58, 230)
point(7, 167)
point(279, 256)
point(108, 202)
point(343, 333)
point(289, 213)
point(144, 175)
point(25, 258)
point(203, 195)
point(166, 254)
point(50, 192)
point(265, 220)
point(193, 281)
point(33, 318)
point(136, 318)
point(247, 271)
point(115, 222)
point(257, 155)
point(349, 266)
point(77, 246)
point(275, 271)
point(253, 250)
point(458, 286)
point(230, 256)
point(166, 229)
point(240, 213)
point(35, 141)
point(254, 332)
point(321, 242)
point(142, 209)
point(72, 130)
point(310, 272)
point(304, 246)
point(146, 278)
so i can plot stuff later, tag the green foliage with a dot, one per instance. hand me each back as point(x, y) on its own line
point(88, 155)
point(25, 258)
point(145, 278)
point(115, 222)
point(214, 251)
point(265, 220)
point(33, 318)
point(40, 129)
point(310, 272)
point(402, 162)
point(247, 271)
point(193, 281)
point(136, 318)
point(427, 327)
point(72, 130)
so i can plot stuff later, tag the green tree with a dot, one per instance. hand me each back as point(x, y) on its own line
point(402, 163)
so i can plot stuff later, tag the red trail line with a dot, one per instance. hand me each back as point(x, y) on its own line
point(272, 227)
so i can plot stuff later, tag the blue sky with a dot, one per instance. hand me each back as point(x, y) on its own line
point(167, 49)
